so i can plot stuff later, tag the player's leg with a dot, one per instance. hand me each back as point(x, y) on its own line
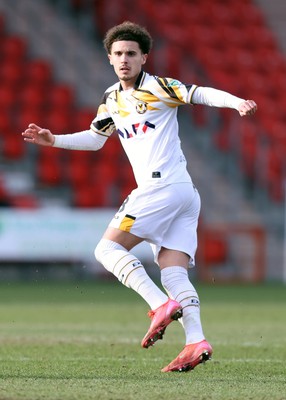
point(182, 236)
point(174, 277)
point(113, 252)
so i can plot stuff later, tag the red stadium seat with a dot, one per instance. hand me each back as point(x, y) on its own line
point(83, 118)
point(26, 201)
point(13, 48)
point(78, 172)
point(38, 72)
point(49, 170)
point(111, 150)
point(273, 173)
point(213, 248)
point(7, 98)
point(13, 146)
point(107, 171)
point(27, 115)
point(11, 73)
point(5, 121)
point(90, 196)
point(61, 96)
point(53, 153)
point(32, 95)
point(59, 121)
point(248, 147)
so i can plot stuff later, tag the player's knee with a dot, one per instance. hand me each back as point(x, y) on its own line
point(101, 250)
point(104, 250)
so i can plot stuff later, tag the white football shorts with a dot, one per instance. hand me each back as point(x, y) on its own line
point(165, 216)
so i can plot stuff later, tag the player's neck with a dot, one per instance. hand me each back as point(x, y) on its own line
point(127, 85)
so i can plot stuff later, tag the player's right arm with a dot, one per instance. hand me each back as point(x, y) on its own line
point(37, 135)
point(84, 140)
point(92, 139)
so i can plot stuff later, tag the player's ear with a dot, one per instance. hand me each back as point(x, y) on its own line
point(144, 58)
point(109, 57)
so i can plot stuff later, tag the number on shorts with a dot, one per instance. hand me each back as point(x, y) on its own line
point(123, 204)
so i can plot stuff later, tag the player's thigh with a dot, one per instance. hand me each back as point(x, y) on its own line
point(150, 213)
point(180, 236)
point(125, 239)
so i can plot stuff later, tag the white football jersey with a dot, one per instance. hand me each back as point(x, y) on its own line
point(145, 119)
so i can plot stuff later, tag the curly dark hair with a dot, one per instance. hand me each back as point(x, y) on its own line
point(128, 31)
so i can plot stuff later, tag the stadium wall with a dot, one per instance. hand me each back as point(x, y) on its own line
point(31, 239)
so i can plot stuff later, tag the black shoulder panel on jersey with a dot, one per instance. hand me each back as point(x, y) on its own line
point(189, 86)
point(104, 98)
point(163, 83)
point(104, 125)
point(144, 91)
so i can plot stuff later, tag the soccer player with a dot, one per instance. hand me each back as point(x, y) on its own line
point(164, 209)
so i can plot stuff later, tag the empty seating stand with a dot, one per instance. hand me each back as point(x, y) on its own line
point(29, 93)
point(233, 45)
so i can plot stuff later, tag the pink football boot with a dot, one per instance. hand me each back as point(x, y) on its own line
point(160, 319)
point(190, 357)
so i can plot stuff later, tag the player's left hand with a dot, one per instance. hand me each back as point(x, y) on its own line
point(247, 107)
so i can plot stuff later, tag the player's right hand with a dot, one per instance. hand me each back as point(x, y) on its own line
point(37, 135)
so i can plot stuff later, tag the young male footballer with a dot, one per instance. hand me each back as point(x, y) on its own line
point(164, 209)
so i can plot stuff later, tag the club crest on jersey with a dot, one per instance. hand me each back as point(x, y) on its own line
point(141, 107)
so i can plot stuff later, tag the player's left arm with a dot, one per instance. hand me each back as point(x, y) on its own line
point(219, 98)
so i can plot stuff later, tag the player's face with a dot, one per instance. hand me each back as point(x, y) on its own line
point(127, 60)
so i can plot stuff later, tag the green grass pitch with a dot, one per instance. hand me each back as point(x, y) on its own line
point(81, 341)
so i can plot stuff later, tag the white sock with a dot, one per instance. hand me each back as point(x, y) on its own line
point(129, 271)
point(176, 282)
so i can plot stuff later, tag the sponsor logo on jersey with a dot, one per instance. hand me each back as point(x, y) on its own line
point(137, 130)
point(173, 82)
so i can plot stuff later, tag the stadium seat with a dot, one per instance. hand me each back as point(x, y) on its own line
point(90, 196)
point(107, 171)
point(13, 147)
point(78, 170)
point(61, 96)
point(58, 121)
point(213, 248)
point(247, 146)
point(82, 119)
point(32, 95)
point(26, 115)
point(24, 201)
point(5, 121)
point(111, 150)
point(38, 72)
point(13, 48)
point(273, 172)
point(49, 169)
point(11, 73)
point(7, 98)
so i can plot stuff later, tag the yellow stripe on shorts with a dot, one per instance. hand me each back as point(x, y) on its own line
point(127, 223)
